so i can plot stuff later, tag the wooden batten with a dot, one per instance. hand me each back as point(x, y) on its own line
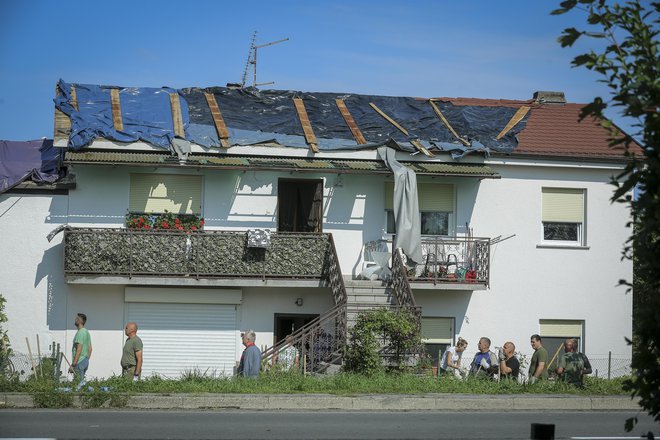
point(444, 120)
point(116, 110)
point(177, 118)
point(357, 134)
point(218, 120)
point(62, 123)
point(517, 117)
point(74, 98)
point(310, 137)
point(415, 143)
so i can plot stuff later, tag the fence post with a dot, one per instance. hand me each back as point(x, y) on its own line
point(609, 364)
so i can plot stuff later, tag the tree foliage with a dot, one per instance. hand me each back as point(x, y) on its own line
point(628, 64)
point(5, 348)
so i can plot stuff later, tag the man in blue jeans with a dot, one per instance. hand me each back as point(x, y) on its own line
point(82, 349)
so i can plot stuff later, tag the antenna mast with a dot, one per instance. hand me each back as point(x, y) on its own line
point(252, 59)
point(249, 59)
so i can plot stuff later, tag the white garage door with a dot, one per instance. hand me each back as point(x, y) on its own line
point(179, 338)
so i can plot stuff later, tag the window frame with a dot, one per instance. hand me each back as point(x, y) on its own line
point(581, 240)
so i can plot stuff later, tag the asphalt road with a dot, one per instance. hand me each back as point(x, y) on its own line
point(236, 424)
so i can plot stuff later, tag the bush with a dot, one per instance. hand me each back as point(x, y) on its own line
point(375, 329)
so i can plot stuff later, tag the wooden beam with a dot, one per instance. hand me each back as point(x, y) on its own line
point(177, 119)
point(74, 98)
point(62, 123)
point(116, 109)
point(218, 120)
point(418, 145)
point(310, 137)
point(517, 117)
point(357, 134)
point(444, 120)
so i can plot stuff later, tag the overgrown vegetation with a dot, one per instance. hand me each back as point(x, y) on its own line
point(628, 65)
point(378, 330)
point(49, 394)
point(5, 347)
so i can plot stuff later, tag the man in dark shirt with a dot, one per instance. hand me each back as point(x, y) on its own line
point(509, 364)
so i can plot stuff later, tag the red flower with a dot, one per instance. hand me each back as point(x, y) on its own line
point(147, 227)
point(201, 222)
point(165, 225)
point(193, 228)
point(177, 221)
point(141, 219)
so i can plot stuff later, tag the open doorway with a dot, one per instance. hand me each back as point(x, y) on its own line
point(300, 205)
point(287, 323)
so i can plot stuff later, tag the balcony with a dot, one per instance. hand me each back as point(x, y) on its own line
point(448, 263)
point(453, 262)
point(130, 256)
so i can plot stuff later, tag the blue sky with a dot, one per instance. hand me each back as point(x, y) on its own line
point(469, 48)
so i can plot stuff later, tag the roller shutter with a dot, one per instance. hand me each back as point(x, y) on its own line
point(186, 337)
point(438, 330)
point(561, 328)
point(433, 197)
point(563, 205)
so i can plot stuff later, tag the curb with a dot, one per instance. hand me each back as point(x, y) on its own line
point(374, 402)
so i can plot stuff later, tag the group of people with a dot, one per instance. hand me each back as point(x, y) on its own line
point(132, 359)
point(572, 365)
point(81, 351)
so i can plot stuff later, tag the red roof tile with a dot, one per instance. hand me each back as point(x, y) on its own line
point(555, 129)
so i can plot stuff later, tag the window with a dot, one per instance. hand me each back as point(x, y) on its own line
point(436, 206)
point(158, 193)
point(563, 215)
point(555, 331)
point(437, 335)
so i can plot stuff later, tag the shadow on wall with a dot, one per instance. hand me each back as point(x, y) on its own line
point(50, 270)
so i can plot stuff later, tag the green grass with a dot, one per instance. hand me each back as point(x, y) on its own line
point(287, 383)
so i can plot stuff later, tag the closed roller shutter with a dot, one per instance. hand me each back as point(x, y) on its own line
point(437, 330)
point(561, 328)
point(186, 337)
point(433, 197)
point(563, 205)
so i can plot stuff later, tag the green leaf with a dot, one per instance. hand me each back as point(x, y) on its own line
point(569, 37)
point(630, 423)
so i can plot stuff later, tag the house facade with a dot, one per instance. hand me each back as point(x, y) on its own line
point(517, 233)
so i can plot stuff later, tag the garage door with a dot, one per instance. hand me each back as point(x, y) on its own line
point(180, 338)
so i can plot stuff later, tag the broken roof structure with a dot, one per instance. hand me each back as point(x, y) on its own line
point(218, 118)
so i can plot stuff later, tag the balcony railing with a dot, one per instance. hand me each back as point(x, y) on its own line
point(209, 254)
point(453, 260)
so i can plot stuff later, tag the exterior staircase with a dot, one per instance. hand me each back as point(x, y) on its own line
point(365, 295)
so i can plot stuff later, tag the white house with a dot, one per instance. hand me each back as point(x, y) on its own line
point(518, 235)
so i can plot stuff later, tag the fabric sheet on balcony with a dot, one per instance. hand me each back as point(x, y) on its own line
point(406, 207)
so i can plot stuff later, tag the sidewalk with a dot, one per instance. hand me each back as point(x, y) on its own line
point(373, 402)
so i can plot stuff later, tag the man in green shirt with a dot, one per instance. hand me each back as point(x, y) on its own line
point(81, 351)
point(572, 365)
point(131, 358)
point(539, 360)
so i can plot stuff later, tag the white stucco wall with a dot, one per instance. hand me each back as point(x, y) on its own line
point(528, 282)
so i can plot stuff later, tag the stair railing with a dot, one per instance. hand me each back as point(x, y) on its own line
point(322, 341)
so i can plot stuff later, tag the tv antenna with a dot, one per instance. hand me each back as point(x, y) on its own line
point(252, 59)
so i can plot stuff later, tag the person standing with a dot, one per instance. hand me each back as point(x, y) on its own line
point(250, 363)
point(539, 360)
point(485, 362)
point(289, 356)
point(450, 363)
point(572, 366)
point(509, 364)
point(131, 357)
point(81, 351)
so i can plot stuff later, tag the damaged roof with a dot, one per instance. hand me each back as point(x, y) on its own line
point(218, 118)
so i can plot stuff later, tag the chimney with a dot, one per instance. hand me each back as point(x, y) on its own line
point(549, 97)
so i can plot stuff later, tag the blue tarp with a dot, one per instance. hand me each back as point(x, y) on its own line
point(35, 160)
point(253, 116)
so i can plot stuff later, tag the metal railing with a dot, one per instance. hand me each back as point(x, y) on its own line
point(452, 260)
point(208, 254)
point(322, 341)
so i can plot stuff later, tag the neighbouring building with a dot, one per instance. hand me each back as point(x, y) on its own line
point(199, 213)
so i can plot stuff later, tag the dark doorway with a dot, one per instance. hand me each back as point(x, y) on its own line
point(300, 205)
point(287, 323)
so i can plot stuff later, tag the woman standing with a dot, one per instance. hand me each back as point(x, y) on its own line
point(451, 358)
